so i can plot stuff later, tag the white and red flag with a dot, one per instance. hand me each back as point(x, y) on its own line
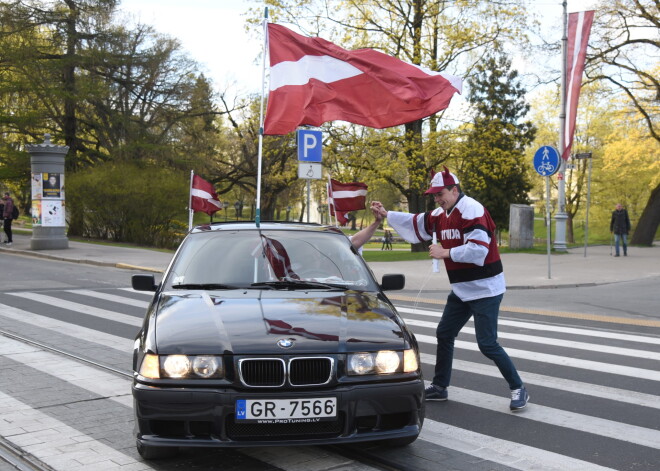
point(346, 197)
point(313, 81)
point(203, 197)
point(579, 28)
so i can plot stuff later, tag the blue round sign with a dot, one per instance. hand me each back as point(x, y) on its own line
point(546, 161)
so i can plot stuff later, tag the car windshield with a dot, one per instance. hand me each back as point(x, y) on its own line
point(268, 259)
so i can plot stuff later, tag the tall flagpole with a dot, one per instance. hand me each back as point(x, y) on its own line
point(190, 210)
point(257, 218)
point(561, 216)
point(329, 191)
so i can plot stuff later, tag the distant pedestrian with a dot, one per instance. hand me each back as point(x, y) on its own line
point(620, 227)
point(387, 241)
point(7, 215)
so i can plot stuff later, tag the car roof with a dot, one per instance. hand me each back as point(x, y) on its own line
point(265, 225)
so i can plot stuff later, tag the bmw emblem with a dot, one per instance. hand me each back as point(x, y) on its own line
point(285, 343)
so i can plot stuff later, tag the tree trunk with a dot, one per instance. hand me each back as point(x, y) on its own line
point(647, 225)
point(418, 177)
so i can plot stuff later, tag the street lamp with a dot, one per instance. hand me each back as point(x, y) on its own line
point(237, 206)
point(586, 155)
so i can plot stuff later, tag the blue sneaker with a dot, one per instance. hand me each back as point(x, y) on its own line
point(519, 398)
point(435, 393)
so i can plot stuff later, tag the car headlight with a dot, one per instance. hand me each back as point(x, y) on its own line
point(360, 363)
point(387, 362)
point(181, 366)
point(410, 364)
point(382, 362)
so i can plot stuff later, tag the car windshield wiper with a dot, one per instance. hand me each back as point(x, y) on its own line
point(299, 284)
point(204, 286)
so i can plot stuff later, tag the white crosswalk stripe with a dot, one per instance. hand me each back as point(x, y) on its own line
point(111, 297)
point(566, 354)
point(610, 368)
point(81, 308)
point(542, 327)
point(591, 347)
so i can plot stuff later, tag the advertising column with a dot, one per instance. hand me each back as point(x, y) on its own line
point(48, 201)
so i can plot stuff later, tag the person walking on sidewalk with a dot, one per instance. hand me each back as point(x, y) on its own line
point(7, 215)
point(387, 241)
point(466, 242)
point(620, 227)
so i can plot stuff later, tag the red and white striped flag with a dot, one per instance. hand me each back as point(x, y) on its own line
point(278, 258)
point(313, 81)
point(579, 28)
point(346, 197)
point(203, 197)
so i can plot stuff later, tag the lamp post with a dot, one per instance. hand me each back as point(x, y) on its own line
point(237, 206)
point(288, 213)
point(586, 155)
point(322, 211)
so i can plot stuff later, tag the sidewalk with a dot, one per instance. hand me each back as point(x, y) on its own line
point(522, 271)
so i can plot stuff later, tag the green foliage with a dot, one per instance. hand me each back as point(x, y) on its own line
point(125, 202)
point(493, 168)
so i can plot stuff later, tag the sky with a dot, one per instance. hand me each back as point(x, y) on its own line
point(213, 32)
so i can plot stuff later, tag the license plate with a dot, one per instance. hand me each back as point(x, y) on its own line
point(286, 411)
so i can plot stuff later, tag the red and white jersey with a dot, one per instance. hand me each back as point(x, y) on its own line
point(474, 267)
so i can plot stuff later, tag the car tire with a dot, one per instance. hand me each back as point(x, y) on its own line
point(156, 452)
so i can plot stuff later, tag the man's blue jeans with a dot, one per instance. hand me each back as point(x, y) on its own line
point(454, 317)
point(624, 241)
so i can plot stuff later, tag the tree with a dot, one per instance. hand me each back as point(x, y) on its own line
point(626, 46)
point(493, 166)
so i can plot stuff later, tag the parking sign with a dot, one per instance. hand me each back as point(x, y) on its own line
point(309, 145)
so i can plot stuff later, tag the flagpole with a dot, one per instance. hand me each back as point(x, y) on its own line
point(257, 218)
point(190, 211)
point(328, 189)
point(561, 216)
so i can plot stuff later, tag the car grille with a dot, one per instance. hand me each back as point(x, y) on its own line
point(277, 372)
point(250, 431)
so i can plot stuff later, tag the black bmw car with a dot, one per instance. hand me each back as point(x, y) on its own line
point(272, 335)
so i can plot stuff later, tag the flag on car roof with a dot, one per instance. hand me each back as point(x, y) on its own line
point(346, 197)
point(313, 81)
point(203, 197)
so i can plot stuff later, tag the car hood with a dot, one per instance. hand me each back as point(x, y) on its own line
point(252, 322)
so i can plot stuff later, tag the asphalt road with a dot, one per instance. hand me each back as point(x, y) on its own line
point(589, 356)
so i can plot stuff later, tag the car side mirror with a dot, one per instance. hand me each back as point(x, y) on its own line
point(392, 282)
point(144, 283)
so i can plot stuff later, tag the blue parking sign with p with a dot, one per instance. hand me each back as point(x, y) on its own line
point(309, 145)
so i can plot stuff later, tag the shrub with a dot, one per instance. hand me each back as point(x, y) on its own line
point(129, 203)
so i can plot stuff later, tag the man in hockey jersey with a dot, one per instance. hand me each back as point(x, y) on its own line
point(466, 242)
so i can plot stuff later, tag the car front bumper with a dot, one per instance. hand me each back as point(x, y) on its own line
point(187, 417)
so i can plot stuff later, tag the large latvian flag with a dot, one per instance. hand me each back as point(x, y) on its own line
point(579, 28)
point(313, 81)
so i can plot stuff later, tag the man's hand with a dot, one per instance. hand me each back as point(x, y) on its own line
point(437, 251)
point(377, 208)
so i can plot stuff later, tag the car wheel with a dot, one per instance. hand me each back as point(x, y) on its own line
point(156, 452)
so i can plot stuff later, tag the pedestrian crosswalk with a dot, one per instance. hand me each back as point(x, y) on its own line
point(595, 398)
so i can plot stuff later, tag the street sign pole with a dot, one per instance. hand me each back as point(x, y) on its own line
point(310, 151)
point(547, 221)
point(546, 164)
